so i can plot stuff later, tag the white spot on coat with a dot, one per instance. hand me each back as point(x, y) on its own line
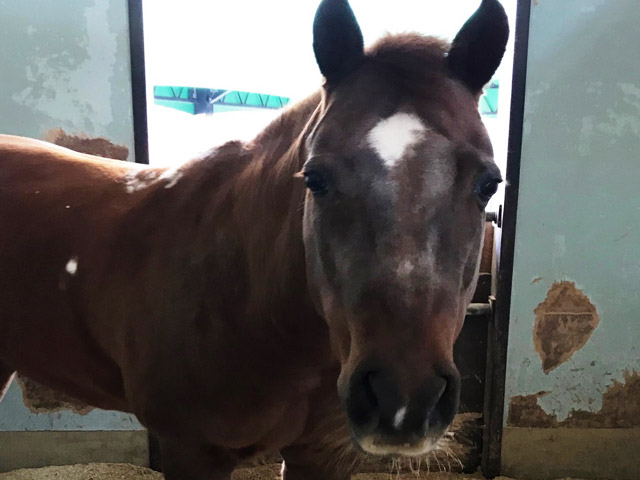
point(392, 136)
point(429, 258)
point(72, 266)
point(171, 175)
point(139, 180)
point(405, 269)
point(398, 418)
point(420, 266)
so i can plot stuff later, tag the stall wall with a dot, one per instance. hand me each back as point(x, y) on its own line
point(66, 65)
point(572, 404)
point(65, 77)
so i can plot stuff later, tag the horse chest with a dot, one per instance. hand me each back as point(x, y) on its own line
point(245, 413)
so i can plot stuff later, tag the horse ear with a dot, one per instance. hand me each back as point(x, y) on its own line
point(477, 50)
point(337, 40)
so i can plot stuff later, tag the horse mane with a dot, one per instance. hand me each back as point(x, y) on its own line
point(277, 143)
point(268, 188)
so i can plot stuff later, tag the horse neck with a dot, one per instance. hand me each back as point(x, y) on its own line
point(273, 200)
point(267, 204)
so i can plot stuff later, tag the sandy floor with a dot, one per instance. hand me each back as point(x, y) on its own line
point(103, 471)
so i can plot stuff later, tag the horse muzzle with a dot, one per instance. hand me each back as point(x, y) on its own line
point(384, 420)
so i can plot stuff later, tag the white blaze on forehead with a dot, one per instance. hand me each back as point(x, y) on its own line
point(392, 136)
point(72, 266)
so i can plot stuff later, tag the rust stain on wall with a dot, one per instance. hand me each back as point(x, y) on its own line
point(524, 411)
point(41, 399)
point(93, 146)
point(620, 409)
point(564, 323)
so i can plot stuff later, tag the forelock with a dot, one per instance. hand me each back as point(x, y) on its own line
point(411, 54)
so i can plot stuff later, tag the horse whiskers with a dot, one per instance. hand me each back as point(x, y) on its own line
point(442, 456)
point(395, 466)
point(452, 455)
point(415, 470)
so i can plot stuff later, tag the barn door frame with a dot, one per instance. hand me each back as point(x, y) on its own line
point(140, 132)
point(499, 326)
point(138, 82)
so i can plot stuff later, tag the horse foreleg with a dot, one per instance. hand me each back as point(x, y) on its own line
point(325, 450)
point(6, 375)
point(191, 461)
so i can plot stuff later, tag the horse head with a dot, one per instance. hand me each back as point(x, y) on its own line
point(399, 169)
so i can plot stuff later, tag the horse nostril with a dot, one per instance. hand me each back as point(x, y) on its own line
point(368, 388)
point(386, 393)
point(373, 399)
point(361, 401)
point(440, 396)
point(447, 405)
point(432, 407)
point(374, 403)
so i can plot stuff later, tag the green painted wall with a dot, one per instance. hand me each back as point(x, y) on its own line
point(66, 64)
point(579, 213)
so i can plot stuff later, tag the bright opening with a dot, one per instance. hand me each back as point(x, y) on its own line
point(219, 71)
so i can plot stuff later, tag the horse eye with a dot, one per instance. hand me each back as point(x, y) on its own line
point(315, 182)
point(487, 188)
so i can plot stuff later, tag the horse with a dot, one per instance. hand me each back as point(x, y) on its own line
point(300, 293)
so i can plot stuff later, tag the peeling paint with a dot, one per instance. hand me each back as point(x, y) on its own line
point(524, 411)
point(620, 409)
point(580, 138)
point(559, 246)
point(564, 323)
point(535, 96)
point(631, 94)
point(40, 399)
point(100, 146)
point(66, 78)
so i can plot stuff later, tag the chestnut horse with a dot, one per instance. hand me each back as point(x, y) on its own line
point(299, 293)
